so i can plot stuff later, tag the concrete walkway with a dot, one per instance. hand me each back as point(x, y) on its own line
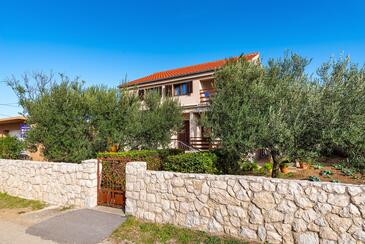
point(12, 233)
point(77, 227)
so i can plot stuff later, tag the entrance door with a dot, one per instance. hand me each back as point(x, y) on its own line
point(184, 134)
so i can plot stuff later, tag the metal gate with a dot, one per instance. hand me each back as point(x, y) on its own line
point(111, 182)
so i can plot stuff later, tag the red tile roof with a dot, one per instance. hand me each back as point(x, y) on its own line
point(186, 70)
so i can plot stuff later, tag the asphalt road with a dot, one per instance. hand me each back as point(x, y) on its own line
point(76, 227)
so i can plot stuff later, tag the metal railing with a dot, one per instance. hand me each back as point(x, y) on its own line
point(184, 146)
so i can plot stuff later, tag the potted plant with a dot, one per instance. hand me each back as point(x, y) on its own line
point(284, 168)
point(303, 165)
point(113, 148)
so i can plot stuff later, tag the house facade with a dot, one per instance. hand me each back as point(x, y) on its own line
point(12, 126)
point(193, 86)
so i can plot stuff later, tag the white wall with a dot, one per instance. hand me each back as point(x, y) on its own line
point(54, 183)
point(254, 208)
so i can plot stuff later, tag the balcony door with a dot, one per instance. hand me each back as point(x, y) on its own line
point(184, 134)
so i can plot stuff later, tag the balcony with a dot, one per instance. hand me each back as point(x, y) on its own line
point(203, 143)
point(206, 95)
point(195, 144)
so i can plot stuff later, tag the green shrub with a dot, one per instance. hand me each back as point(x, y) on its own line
point(313, 178)
point(317, 166)
point(201, 162)
point(164, 153)
point(266, 168)
point(227, 162)
point(151, 157)
point(10, 147)
point(326, 172)
point(248, 166)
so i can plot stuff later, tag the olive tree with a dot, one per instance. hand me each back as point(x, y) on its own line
point(268, 107)
point(73, 122)
point(342, 106)
point(156, 121)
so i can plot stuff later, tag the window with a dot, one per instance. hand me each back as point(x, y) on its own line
point(142, 92)
point(183, 89)
point(157, 90)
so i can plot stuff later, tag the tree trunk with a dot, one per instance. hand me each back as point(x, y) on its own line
point(275, 165)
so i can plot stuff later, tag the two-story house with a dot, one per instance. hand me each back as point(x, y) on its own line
point(192, 86)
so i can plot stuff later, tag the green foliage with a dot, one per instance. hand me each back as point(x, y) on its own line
point(73, 122)
point(279, 107)
point(11, 202)
point(164, 153)
point(247, 166)
point(343, 110)
point(201, 162)
point(348, 171)
point(151, 157)
point(140, 232)
point(338, 166)
point(10, 147)
point(227, 163)
point(313, 178)
point(263, 107)
point(284, 165)
point(157, 121)
point(346, 168)
point(266, 169)
point(326, 173)
point(317, 166)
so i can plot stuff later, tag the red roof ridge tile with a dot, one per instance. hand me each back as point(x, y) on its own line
point(191, 69)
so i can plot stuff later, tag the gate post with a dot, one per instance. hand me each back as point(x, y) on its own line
point(135, 172)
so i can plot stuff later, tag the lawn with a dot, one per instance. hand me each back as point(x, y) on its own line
point(139, 231)
point(10, 202)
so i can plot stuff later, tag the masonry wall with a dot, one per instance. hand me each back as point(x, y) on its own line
point(55, 183)
point(253, 208)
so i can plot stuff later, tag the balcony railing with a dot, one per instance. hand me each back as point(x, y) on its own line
point(203, 143)
point(206, 95)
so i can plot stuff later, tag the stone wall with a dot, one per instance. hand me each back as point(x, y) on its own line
point(253, 208)
point(55, 183)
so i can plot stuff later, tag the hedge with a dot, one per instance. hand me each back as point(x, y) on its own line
point(10, 147)
point(201, 162)
point(153, 158)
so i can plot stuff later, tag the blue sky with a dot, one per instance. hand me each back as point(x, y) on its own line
point(101, 41)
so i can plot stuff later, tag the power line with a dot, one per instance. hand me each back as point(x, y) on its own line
point(8, 105)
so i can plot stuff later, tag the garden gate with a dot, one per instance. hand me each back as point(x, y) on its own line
point(111, 182)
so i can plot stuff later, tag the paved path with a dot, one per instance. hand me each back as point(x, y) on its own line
point(77, 227)
point(12, 233)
